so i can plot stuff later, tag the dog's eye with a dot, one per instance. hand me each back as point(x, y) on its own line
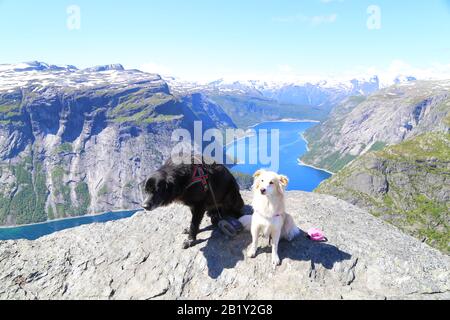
point(271, 182)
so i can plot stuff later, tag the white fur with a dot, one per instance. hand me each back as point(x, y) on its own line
point(269, 218)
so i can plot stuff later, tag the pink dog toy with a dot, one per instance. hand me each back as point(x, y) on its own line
point(317, 235)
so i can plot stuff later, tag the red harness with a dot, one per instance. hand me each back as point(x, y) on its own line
point(228, 226)
point(201, 176)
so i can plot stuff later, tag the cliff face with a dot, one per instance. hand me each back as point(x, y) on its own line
point(387, 117)
point(407, 185)
point(74, 142)
point(141, 258)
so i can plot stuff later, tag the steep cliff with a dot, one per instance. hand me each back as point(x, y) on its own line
point(387, 117)
point(141, 258)
point(407, 185)
point(74, 142)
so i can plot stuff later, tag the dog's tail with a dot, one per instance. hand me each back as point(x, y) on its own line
point(246, 221)
point(290, 230)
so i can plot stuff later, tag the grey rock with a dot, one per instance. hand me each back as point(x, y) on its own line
point(141, 258)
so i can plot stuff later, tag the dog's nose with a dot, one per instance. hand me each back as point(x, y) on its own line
point(263, 191)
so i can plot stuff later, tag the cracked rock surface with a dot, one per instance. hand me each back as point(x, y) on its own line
point(141, 258)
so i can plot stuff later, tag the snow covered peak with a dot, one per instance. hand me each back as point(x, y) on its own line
point(39, 75)
point(354, 86)
point(108, 67)
point(35, 66)
point(403, 79)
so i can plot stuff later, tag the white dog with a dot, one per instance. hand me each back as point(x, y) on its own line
point(269, 217)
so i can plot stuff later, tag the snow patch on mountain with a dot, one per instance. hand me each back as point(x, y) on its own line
point(40, 75)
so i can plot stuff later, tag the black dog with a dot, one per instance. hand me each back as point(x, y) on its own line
point(200, 187)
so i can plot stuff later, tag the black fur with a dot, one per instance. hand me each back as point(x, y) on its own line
point(171, 183)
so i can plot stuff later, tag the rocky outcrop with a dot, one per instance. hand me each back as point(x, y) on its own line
point(387, 117)
point(407, 185)
point(209, 113)
point(74, 142)
point(141, 258)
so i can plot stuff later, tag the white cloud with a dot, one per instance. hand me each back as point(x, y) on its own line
point(313, 21)
point(152, 67)
point(435, 71)
point(318, 20)
point(387, 74)
point(330, 1)
point(285, 68)
point(285, 73)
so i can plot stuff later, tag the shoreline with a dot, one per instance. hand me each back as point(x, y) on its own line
point(302, 135)
point(251, 134)
point(298, 120)
point(285, 120)
point(301, 163)
point(68, 218)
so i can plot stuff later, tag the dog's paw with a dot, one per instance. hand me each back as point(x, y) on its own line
point(251, 253)
point(187, 244)
point(276, 262)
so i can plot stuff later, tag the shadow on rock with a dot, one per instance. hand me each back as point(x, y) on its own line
point(224, 253)
point(303, 249)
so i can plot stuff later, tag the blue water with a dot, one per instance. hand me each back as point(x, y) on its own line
point(292, 146)
point(35, 231)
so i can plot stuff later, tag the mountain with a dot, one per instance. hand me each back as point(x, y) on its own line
point(253, 101)
point(321, 93)
point(407, 185)
point(74, 142)
point(35, 66)
point(391, 154)
point(387, 117)
point(141, 258)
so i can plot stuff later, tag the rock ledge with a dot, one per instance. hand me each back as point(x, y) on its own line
point(141, 258)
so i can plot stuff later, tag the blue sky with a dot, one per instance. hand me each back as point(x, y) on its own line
point(214, 38)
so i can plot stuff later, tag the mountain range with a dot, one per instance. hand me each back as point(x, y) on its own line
point(389, 116)
point(252, 101)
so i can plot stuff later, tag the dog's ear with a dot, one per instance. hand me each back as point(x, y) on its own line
point(284, 180)
point(258, 173)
